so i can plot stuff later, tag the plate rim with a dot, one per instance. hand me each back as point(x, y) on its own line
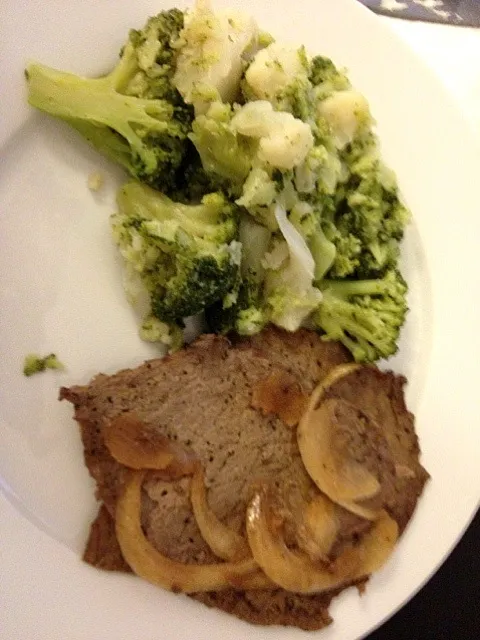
point(465, 525)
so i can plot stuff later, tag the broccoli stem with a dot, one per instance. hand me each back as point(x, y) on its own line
point(345, 288)
point(106, 141)
point(323, 252)
point(68, 96)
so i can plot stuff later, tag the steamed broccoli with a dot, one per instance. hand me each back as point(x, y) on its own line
point(242, 309)
point(281, 293)
point(365, 315)
point(369, 219)
point(133, 115)
point(326, 78)
point(261, 196)
point(246, 315)
point(186, 256)
point(193, 182)
point(222, 151)
point(36, 364)
point(168, 333)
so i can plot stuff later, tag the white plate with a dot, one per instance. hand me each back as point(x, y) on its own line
point(60, 290)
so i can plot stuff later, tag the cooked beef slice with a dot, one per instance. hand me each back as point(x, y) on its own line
point(265, 607)
point(303, 353)
point(102, 549)
point(201, 398)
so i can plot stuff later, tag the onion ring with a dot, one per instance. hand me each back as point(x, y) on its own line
point(137, 445)
point(223, 541)
point(343, 480)
point(318, 530)
point(295, 571)
point(148, 563)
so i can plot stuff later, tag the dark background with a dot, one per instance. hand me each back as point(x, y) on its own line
point(448, 607)
point(461, 12)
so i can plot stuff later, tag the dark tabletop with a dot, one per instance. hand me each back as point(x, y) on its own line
point(459, 12)
point(448, 607)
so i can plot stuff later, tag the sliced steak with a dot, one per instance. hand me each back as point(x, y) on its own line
point(201, 397)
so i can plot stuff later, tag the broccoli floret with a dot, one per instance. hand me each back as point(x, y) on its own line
point(368, 210)
point(199, 280)
point(169, 334)
point(348, 250)
point(326, 78)
point(258, 195)
point(242, 309)
point(357, 204)
point(133, 115)
point(245, 316)
point(156, 57)
point(365, 315)
point(193, 182)
point(297, 99)
point(187, 256)
point(35, 364)
point(223, 152)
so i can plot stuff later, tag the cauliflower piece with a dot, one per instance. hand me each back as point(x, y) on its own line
point(291, 294)
point(284, 141)
point(209, 63)
point(277, 256)
point(274, 68)
point(301, 259)
point(346, 112)
point(259, 190)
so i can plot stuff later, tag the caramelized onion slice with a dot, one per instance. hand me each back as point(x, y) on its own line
point(295, 571)
point(342, 479)
point(377, 544)
point(319, 527)
point(359, 510)
point(292, 570)
point(281, 395)
point(336, 374)
point(223, 541)
point(150, 564)
point(137, 445)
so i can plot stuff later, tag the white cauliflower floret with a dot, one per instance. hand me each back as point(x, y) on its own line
point(346, 112)
point(259, 190)
point(209, 64)
point(274, 68)
point(290, 291)
point(277, 256)
point(284, 141)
